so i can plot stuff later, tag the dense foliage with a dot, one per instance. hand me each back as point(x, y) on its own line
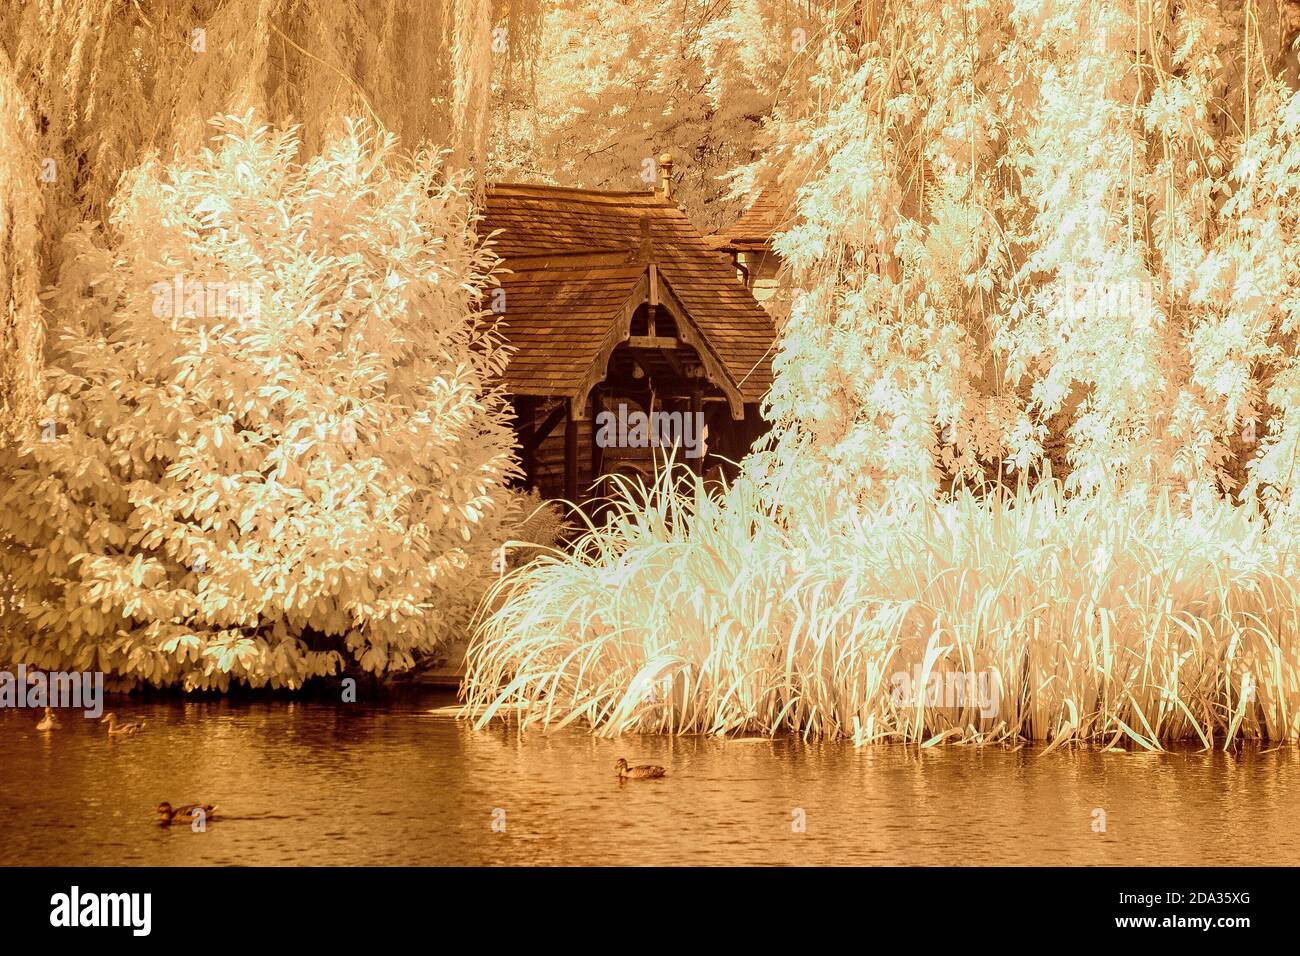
point(1036, 232)
point(616, 84)
point(271, 444)
point(21, 206)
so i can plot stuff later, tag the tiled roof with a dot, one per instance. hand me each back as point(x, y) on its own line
point(557, 320)
point(557, 313)
point(757, 223)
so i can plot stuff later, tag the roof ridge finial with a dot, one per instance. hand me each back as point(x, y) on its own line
point(665, 190)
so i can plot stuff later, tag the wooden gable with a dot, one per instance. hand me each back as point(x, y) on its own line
point(577, 258)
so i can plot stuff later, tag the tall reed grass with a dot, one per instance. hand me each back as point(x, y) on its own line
point(1108, 619)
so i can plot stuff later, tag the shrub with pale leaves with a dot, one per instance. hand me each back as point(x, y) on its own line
point(272, 445)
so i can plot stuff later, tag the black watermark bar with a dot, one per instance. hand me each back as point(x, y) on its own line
point(330, 906)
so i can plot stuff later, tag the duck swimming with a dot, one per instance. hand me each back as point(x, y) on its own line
point(187, 813)
point(49, 721)
point(125, 730)
point(643, 772)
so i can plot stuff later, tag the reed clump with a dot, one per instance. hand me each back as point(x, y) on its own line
point(1111, 619)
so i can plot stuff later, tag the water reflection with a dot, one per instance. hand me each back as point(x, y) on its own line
point(313, 783)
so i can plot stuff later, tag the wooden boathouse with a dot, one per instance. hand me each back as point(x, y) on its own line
point(616, 299)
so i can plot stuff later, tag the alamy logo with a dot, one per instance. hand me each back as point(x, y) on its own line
point(636, 429)
point(952, 690)
point(194, 299)
point(1107, 300)
point(134, 910)
point(38, 689)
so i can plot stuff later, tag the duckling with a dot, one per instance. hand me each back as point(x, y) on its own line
point(49, 721)
point(125, 730)
point(644, 772)
point(188, 813)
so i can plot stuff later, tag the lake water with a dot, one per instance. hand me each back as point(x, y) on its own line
point(316, 783)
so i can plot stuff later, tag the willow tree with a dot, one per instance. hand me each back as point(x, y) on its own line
point(1045, 232)
point(20, 212)
point(88, 88)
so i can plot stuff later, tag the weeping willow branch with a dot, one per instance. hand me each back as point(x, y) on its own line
point(21, 330)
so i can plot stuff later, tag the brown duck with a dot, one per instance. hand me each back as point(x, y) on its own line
point(643, 772)
point(187, 813)
point(123, 730)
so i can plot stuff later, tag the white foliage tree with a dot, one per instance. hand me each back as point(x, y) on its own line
point(1034, 232)
point(273, 444)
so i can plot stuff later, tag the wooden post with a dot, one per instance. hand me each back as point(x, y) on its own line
point(571, 455)
point(697, 405)
point(526, 424)
point(597, 453)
